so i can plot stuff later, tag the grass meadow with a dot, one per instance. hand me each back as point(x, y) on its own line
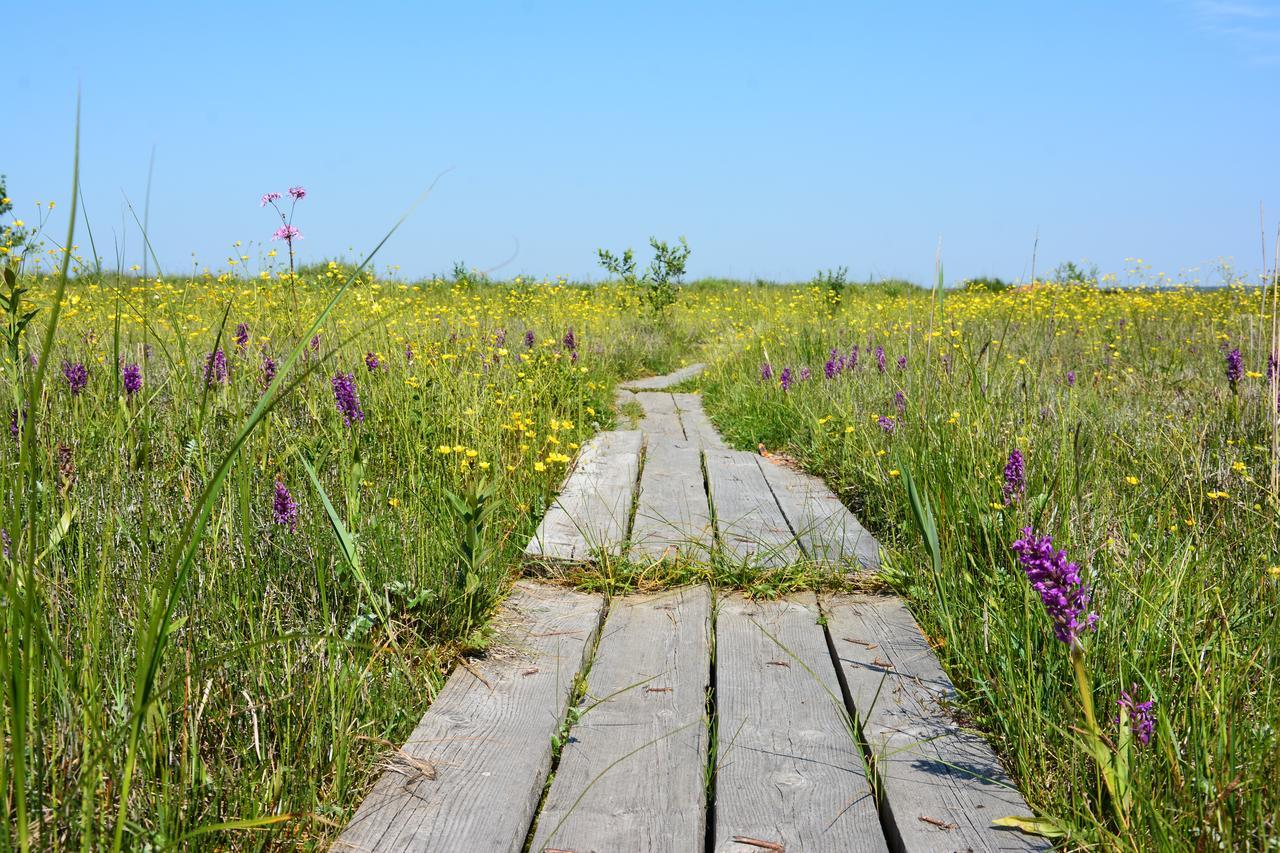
point(1146, 456)
point(254, 517)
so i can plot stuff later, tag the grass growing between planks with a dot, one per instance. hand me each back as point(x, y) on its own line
point(1148, 460)
point(622, 576)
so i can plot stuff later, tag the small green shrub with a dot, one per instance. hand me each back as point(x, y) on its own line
point(660, 282)
point(832, 282)
point(1069, 272)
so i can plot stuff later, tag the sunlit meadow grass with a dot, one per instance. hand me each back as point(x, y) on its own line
point(1145, 463)
point(288, 672)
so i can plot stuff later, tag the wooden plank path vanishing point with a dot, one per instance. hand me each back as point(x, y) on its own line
point(692, 496)
point(686, 720)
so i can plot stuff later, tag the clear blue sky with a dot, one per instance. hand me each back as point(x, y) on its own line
point(777, 137)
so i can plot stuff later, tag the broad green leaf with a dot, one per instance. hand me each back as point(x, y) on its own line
point(1043, 826)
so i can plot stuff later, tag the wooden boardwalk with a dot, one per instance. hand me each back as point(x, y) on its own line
point(687, 720)
point(693, 498)
point(704, 723)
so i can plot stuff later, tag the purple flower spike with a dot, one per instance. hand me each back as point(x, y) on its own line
point(242, 337)
point(1065, 595)
point(880, 361)
point(1141, 720)
point(215, 369)
point(371, 361)
point(852, 364)
point(887, 424)
point(766, 372)
point(805, 374)
point(268, 370)
point(408, 353)
point(284, 509)
point(347, 399)
point(1015, 483)
point(1071, 378)
point(77, 376)
point(902, 362)
point(529, 339)
point(784, 379)
point(570, 342)
point(132, 376)
point(1235, 367)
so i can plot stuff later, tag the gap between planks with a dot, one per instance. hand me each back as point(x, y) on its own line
point(789, 768)
point(470, 775)
point(632, 775)
point(592, 511)
point(941, 785)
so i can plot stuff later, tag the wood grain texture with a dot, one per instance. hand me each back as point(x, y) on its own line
point(653, 383)
point(470, 775)
point(942, 784)
point(697, 426)
point(594, 506)
point(673, 518)
point(660, 414)
point(632, 776)
point(789, 767)
point(827, 531)
point(749, 523)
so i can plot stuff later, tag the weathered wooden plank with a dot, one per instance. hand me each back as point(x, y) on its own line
point(697, 426)
point(470, 775)
point(942, 784)
point(592, 511)
point(827, 531)
point(789, 767)
point(749, 523)
point(632, 775)
point(660, 414)
point(673, 517)
point(653, 383)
